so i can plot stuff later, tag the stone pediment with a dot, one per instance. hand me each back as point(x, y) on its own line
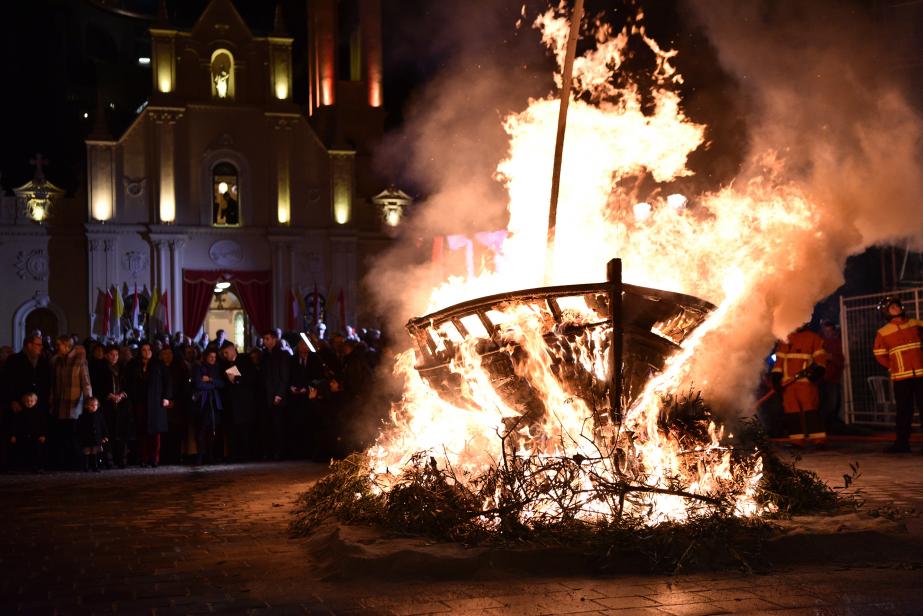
point(221, 21)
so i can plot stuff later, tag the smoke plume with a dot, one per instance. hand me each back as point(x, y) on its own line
point(832, 165)
point(823, 99)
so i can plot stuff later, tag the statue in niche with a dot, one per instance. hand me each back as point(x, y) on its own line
point(221, 83)
point(222, 69)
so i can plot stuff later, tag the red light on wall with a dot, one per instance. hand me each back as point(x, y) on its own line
point(374, 92)
point(327, 91)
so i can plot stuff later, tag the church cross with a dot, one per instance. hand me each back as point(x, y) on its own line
point(38, 162)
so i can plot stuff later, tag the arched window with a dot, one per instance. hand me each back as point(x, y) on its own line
point(225, 195)
point(222, 74)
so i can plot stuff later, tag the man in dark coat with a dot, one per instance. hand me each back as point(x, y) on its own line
point(110, 387)
point(307, 373)
point(240, 395)
point(357, 384)
point(28, 371)
point(150, 393)
point(274, 370)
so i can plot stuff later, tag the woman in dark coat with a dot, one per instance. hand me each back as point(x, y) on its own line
point(207, 380)
point(150, 393)
point(109, 383)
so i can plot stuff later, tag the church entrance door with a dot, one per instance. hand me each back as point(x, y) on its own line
point(227, 313)
point(44, 320)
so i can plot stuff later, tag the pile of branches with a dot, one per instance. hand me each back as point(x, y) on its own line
point(537, 500)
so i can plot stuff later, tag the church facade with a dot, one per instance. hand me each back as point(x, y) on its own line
point(223, 204)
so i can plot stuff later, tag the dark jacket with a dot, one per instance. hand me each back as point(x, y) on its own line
point(91, 429)
point(26, 424)
point(274, 370)
point(206, 392)
point(147, 390)
point(241, 395)
point(21, 377)
point(119, 417)
point(181, 389)
point(98, 369)
point(307, 374)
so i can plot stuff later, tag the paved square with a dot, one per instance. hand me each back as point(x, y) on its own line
point(179, 540)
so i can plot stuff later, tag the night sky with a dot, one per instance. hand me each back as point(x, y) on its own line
point(57, 55)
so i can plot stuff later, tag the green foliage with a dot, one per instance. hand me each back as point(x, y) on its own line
point(346, 493)
point(427, 502)
point(509, 503)
point(792, 490)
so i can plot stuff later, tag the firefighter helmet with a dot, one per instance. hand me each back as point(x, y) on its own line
point(885, 304)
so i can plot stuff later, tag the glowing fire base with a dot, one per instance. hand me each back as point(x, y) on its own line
point(507, 409)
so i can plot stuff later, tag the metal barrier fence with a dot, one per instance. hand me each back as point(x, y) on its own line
point(867, 398)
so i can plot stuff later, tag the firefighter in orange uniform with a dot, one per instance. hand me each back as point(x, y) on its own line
point(800, 364)
point(898, 348)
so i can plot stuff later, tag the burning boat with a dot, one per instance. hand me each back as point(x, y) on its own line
point(577, 324)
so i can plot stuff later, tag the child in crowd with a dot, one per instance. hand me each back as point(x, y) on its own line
point(25, 434)
point(91, 429)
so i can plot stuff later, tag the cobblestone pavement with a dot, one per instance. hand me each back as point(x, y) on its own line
point(181, 540)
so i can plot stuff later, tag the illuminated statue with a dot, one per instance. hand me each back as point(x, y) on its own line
point(221, 82)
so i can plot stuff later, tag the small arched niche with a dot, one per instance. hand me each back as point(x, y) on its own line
point(222, 74)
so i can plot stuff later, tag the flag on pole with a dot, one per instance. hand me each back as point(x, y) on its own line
point(293, 311)
point(165, 307)
point(99, 313)
point(107, 314)
point(152, 303)
point(302, 308)
point(135, 309)
point(117, 311)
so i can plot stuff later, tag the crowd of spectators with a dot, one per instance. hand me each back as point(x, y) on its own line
point(70, 405)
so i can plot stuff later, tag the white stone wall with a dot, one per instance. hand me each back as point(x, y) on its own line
point(24, 271)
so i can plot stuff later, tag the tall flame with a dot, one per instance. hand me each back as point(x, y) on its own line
point(722, 246)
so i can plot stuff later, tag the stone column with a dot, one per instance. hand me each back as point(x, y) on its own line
point(283, 129)
point(176, 293)
point(165, 120)
point(101, 179)
point(342, 179)
point(163, 278)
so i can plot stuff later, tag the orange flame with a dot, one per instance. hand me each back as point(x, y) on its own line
point(719, 247)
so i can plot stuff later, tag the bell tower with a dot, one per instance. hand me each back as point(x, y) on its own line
point(345, 70)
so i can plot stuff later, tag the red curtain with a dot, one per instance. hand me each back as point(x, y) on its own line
point(255, 292)
point(198, 288)
point(253, 288)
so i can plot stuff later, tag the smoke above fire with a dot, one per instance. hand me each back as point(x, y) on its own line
point(832, 165)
